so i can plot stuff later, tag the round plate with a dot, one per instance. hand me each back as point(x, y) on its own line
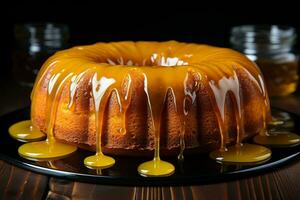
point(194, 170)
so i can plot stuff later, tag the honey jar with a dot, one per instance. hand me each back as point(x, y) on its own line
point(271, 47)
point(33, 44)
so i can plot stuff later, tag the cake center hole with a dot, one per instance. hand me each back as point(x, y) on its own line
point(154, 60)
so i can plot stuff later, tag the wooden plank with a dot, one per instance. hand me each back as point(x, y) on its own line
point(16, 183)
point(279, 184)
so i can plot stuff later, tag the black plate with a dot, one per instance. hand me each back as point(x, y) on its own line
point(194, 170)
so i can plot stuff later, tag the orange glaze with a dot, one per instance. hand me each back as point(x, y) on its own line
point(50, 148)
point(243, 153)
point(165, 67)
point(276, 138)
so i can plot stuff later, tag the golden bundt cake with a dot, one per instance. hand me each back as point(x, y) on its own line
point(192, 97)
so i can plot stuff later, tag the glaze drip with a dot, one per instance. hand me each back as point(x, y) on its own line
point(50, 148)
point(227, 86)
point(100, 98)
point(275, 138)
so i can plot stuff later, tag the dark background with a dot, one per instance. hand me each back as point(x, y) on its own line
point(89, 22)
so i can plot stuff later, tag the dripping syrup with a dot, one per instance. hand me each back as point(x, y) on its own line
point(50, 148)
point(100, 97)
point(156, 100)
point(276, 138)
point(238, 153)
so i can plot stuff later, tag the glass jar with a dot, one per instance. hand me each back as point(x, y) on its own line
point(271, 47)
point(34, 43)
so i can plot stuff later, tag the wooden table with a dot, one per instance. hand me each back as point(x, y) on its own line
point(16, 183)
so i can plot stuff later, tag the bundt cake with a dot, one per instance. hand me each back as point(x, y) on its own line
point(190, 97)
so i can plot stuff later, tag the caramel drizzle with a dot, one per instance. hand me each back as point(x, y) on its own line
point(54, 106)
point(73, 86)
point(109, 77)
point(156, 100)
point(266, 109)
point(54, 90)
point(100, 97)
point(218, 92)
point(124, 103)
point(155, 111)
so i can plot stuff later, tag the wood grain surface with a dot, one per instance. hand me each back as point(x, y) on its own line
point(16, 183)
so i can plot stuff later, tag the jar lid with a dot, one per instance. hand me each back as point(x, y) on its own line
point(251, 38)
point(48, 34)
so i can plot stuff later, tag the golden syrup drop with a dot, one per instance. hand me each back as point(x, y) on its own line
point(280, 139)
point(281, 124)
point(45, 150)
point(244, 153)
point(276, 122)
point(156, 167)
point(99, 161)
point(25, 132)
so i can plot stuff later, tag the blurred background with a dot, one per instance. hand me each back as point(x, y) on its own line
point(87, 22)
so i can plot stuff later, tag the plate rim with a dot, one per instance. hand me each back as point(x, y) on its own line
point(146, 181)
